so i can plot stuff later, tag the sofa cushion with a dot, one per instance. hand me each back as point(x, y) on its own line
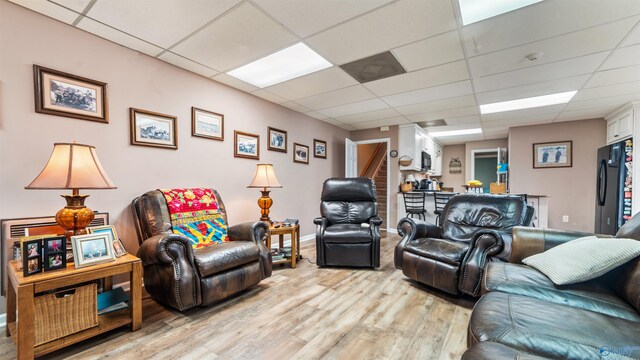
point(524, 280)
point(448, 251)
point(488, 350)
point(550, 330)
point(347, 233)
point(214, 259)
point(584, 259)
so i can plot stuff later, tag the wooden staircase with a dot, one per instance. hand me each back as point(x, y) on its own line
point(380, 179)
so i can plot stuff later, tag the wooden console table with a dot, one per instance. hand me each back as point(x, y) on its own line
point(294, 233)
point(20, 302)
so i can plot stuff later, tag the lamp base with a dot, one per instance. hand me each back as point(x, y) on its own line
point(75, 217)
point(265, 203)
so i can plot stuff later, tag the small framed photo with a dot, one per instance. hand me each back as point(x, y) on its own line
point(62, 94)
point(110, 230)
point(246, 145)
point(300, 153)
point(207, 124)
point(153, 129)
point(118, 248)
point(319, 149)
point(277, 139)
point(32, 257)
point(91, 249)
point(55, 249)
point(553, 154)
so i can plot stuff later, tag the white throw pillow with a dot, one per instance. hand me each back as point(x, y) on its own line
point(584, 259)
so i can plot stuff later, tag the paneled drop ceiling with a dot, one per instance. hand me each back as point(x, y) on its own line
point(589, 45)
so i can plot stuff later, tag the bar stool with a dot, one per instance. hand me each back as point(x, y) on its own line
point(414, 204)
point(441, 199)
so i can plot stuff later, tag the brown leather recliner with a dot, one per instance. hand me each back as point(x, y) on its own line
point(181, 277)
point(474, 229)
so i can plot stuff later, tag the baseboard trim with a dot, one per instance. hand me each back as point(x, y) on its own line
point(393, 231)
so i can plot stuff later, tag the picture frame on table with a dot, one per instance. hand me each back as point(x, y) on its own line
point(277, 139)
point(55, 249)
point(150, 128)
point(91, 249)
point(300, 153)
point(72, 96)
point(556, 154)
point(118, 248)
point(110, 230)
point(319, 149)
point(207, 124)
point(31, 257)
point(246, 145)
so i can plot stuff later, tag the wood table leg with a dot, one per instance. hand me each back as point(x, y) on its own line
point(11, 304)
point(136, 296)
point(107, 284)
point(294, 257)
point(298, 242)
point(268, 241)
point(281, 240)
point(26, 322)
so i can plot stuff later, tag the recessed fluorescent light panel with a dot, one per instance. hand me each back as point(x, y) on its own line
point(456, 132)
point(477, 10)
point(286, 64)
point(527, 103)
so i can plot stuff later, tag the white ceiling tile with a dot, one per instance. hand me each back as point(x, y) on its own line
point(592, 113)
point(498, 134)
point(394, 25)
point(623, 57)
point(347, 127)
point(465, 120)
point(430, 52)
point(296, 107)
point(381, 122)
point(75, 5)
point(433, 76)
point(589, 41)
point(633, 37)
point(333, 122)
point(354, 108)
point(187, 64)
point(557, 70)
point(337, 97)
point(632, 87)
point(317, 115)
point(319, 82)
point(118, 37)
point(523, 121)
point(471, 125)
point(445, 114)
point(430, 94)
point(371, 115)
point(543, 111)
point(612, 102)
point(544, 20)
point(455, 140)
point(614, 76)
point(161, 22)
point(234, 82)
point(49, 9)
point(269, 96)
point(308, 17)
point(538, 89)
point(243, 35)
point(438, 105)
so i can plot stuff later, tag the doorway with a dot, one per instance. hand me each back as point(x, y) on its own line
point(484, 167)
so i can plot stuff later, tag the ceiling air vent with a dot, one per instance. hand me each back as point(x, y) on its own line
point(432, 123)
point(374, 67)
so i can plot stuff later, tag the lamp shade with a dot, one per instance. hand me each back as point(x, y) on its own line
point(265, 177)
point(72, 166)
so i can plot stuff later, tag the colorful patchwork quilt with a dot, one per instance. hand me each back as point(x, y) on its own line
point(195, 214)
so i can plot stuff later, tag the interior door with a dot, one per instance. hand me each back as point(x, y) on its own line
point(351, 158)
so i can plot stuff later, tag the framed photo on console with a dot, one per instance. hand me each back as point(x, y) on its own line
point(277, 139)
point(207, 124)
point(62, 94)
point(150, 128)
point(55, 249)
point(92, 249)
point(31, 257)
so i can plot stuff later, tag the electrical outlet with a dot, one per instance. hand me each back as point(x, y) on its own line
point(565, 218)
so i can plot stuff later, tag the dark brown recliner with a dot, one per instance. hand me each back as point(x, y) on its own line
point(348, 232)
point(181, 277)
point(473, 230)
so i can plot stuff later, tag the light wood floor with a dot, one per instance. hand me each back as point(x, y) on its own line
point(303, 313)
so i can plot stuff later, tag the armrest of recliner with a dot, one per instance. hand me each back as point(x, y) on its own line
point(256, 232)
point(321, 225)
point(375, 221)
point(485, 244)
point(411, 229)
point(374, 225)
point(165, 249)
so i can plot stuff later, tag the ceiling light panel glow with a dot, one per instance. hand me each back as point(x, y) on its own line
point(478, 10)
point(528, 103)
point(456, 132)
point(292, 62)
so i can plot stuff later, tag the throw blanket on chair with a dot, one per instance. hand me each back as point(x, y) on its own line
point(195, 214)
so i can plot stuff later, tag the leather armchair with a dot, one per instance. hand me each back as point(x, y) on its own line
point(474, 229)
point(181, 277)
point(348, 232)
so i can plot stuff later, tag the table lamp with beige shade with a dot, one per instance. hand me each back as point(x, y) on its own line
point(265, 178)
point(73, 166)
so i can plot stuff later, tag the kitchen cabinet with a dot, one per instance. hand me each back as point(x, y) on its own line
point(436, 159)
point(620, 125)
point(411, 142)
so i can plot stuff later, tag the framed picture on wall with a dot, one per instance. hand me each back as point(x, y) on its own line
point(319, 149)
point(300, 153)
point(246, 145)
point(207, 124)
point(149, 128)
point(277, 139)
point(62, 94)
point(553, 154)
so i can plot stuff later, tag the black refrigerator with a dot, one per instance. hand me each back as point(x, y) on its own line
point(613, 193)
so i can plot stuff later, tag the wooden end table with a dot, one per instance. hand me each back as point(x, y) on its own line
point(21, 311)
point(294, 233)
